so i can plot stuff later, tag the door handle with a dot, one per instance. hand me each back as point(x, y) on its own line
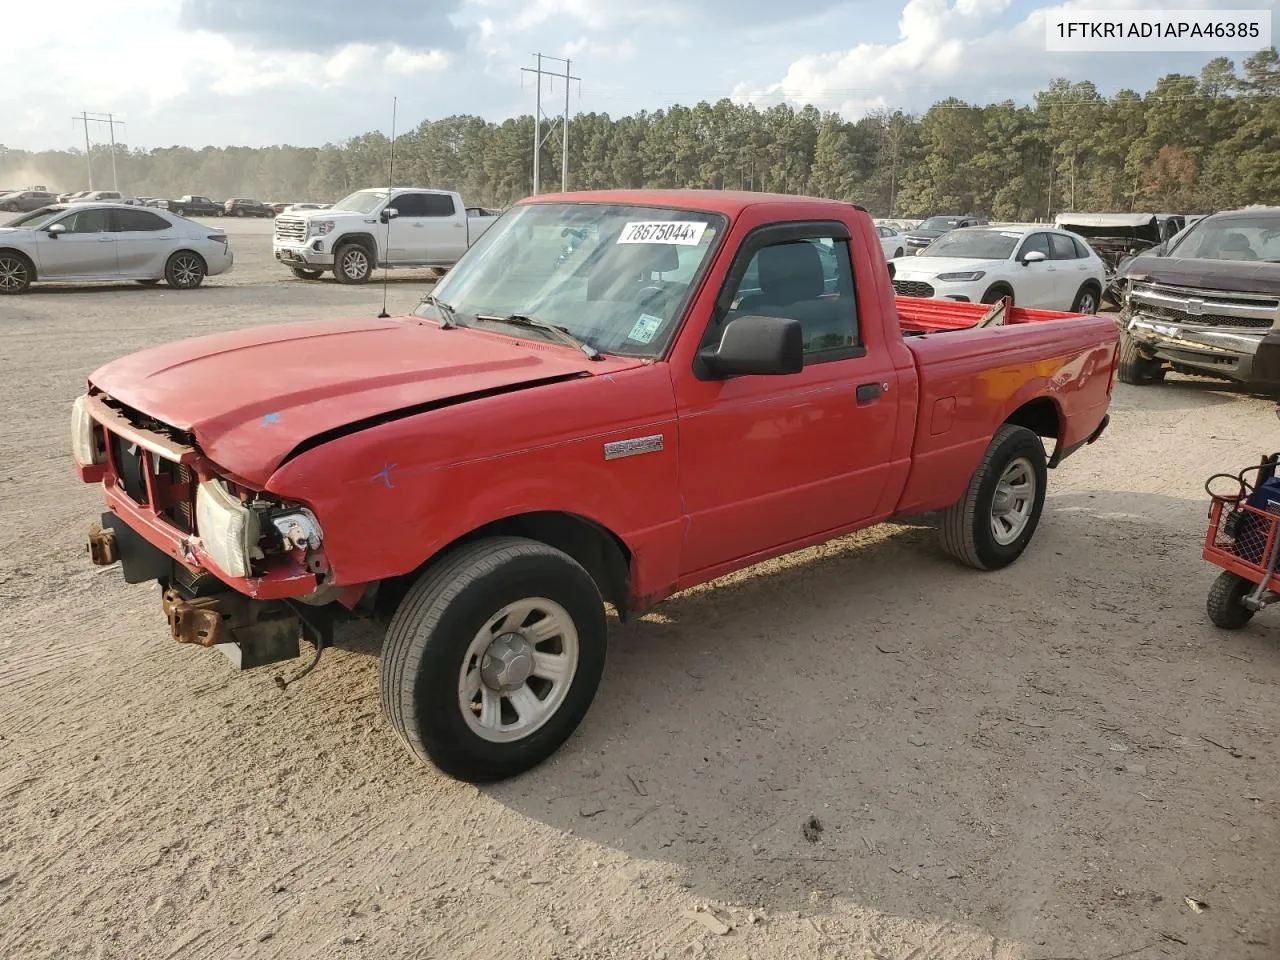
point(106, 239)
point(868, 392)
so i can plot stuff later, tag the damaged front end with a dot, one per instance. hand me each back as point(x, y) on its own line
point(240, 571)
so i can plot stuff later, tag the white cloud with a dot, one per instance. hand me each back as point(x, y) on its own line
point(945, 48)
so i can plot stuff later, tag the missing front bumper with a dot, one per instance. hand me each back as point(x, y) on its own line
point(1240, 355)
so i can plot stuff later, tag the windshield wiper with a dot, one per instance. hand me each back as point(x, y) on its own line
point(520, 320)
point(447, 316)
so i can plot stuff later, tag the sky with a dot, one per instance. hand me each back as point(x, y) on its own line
point(307, 72)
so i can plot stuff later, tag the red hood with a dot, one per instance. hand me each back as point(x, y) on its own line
point(251, 396)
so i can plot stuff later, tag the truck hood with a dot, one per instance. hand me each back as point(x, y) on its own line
point(1233, 276)
point(251, 397)
point(926, 268)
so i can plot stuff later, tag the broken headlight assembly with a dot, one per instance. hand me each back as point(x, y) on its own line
point(235, 533)
point(88, 445)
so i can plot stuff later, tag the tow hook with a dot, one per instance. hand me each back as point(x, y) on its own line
point(102, 547)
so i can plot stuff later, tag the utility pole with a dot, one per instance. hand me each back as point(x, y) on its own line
point(538, 117)
point(88, 117)
point(88, 151)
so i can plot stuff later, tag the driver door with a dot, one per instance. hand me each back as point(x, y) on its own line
point(87, 248)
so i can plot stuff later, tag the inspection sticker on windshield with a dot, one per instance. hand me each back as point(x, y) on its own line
point(645, 329)
point(686, 233)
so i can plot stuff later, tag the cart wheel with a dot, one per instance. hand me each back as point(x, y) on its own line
point(1226, 606)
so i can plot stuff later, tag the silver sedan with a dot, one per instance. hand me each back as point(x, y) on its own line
point(109, 241)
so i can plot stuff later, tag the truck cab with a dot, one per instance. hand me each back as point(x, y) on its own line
point(401, 227)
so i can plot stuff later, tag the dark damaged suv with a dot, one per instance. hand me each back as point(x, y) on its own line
point(1205, 302)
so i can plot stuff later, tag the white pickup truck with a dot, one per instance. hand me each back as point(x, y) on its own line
point(400, 227)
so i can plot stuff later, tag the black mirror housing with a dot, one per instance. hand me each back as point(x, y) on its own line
point(762, 346)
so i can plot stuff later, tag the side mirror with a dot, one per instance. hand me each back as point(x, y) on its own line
point(56, 229)
point(388, 214)
point(1034, 256)
point(757, 345)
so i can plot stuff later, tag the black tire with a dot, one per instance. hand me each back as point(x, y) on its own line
point(16, 272)
point(1224, 605)
point(240, 211)
point(352, 263)
point(147, 283)
point(1087, 300)
point(302, 274)
point(434, 630)
point(897, 253)
point(966, 530)
point(1135, 369)
point(996, 292)
point(185, 270)
point(181, 211)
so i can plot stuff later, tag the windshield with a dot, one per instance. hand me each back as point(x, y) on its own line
point(362, 201)
point(615, 276)
point(36, 218)
point(974, 245)
point(1237, 238)
point(940, 223)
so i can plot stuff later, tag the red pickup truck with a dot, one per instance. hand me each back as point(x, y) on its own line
point(612, 397)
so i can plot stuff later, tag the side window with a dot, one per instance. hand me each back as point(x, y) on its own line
point(1062, 247)
point(139, 221)
point(410, 205)
point(1082, 252)
point(86, 221)
point(438, 205)
point(810, 281)
point(1037, 241)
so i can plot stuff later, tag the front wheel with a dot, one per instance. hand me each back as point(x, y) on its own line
point(493, 658)
point(352, 264)
point(1135, 369)
point(16, 273)
point(1226, 601)
point(240, 211)
point(185, 270)
point(990, 526)
point(897, 253)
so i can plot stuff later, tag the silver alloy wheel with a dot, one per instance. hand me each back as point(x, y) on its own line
point(1013, 501)
point(1087, 303)
point(13, 274)
point(355, 263)
point(518, 670)
point(186, 270)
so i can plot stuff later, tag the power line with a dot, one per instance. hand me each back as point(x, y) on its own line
point(539, 117)
point(87, 117)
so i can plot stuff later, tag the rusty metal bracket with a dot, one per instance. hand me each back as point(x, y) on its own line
point(194, 621)
point(102, 547)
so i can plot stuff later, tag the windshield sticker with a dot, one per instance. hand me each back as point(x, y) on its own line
point(645, 329)
point(686, 233)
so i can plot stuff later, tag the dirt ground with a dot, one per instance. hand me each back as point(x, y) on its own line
point(1038, 763)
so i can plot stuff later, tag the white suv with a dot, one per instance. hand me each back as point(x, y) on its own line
point(401, 227)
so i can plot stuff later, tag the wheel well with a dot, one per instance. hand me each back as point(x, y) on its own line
point(1002, 285)
point(601, 552)
point(359, 239)
point(195, 253)
point(1040, 416)
point(31, 264)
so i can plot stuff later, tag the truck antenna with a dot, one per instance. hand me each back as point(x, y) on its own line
point(386, 240)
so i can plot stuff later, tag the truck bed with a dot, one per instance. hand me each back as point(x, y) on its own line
point(918, 315)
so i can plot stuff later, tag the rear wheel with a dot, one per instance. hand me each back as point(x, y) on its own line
point(185, 270)
point(1086, 300)
point(493, 658)
point(1136, 369)
point(352, 264)
point(16, 273)
point(1226, 601)
point(302, 274)
point(990, 526)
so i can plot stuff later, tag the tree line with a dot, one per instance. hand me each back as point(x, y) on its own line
point(1191, 144)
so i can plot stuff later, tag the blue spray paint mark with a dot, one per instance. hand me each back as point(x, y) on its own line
point(384, 475)
point(270, 418)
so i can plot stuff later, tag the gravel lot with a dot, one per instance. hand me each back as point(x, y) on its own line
point(1037, 763)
